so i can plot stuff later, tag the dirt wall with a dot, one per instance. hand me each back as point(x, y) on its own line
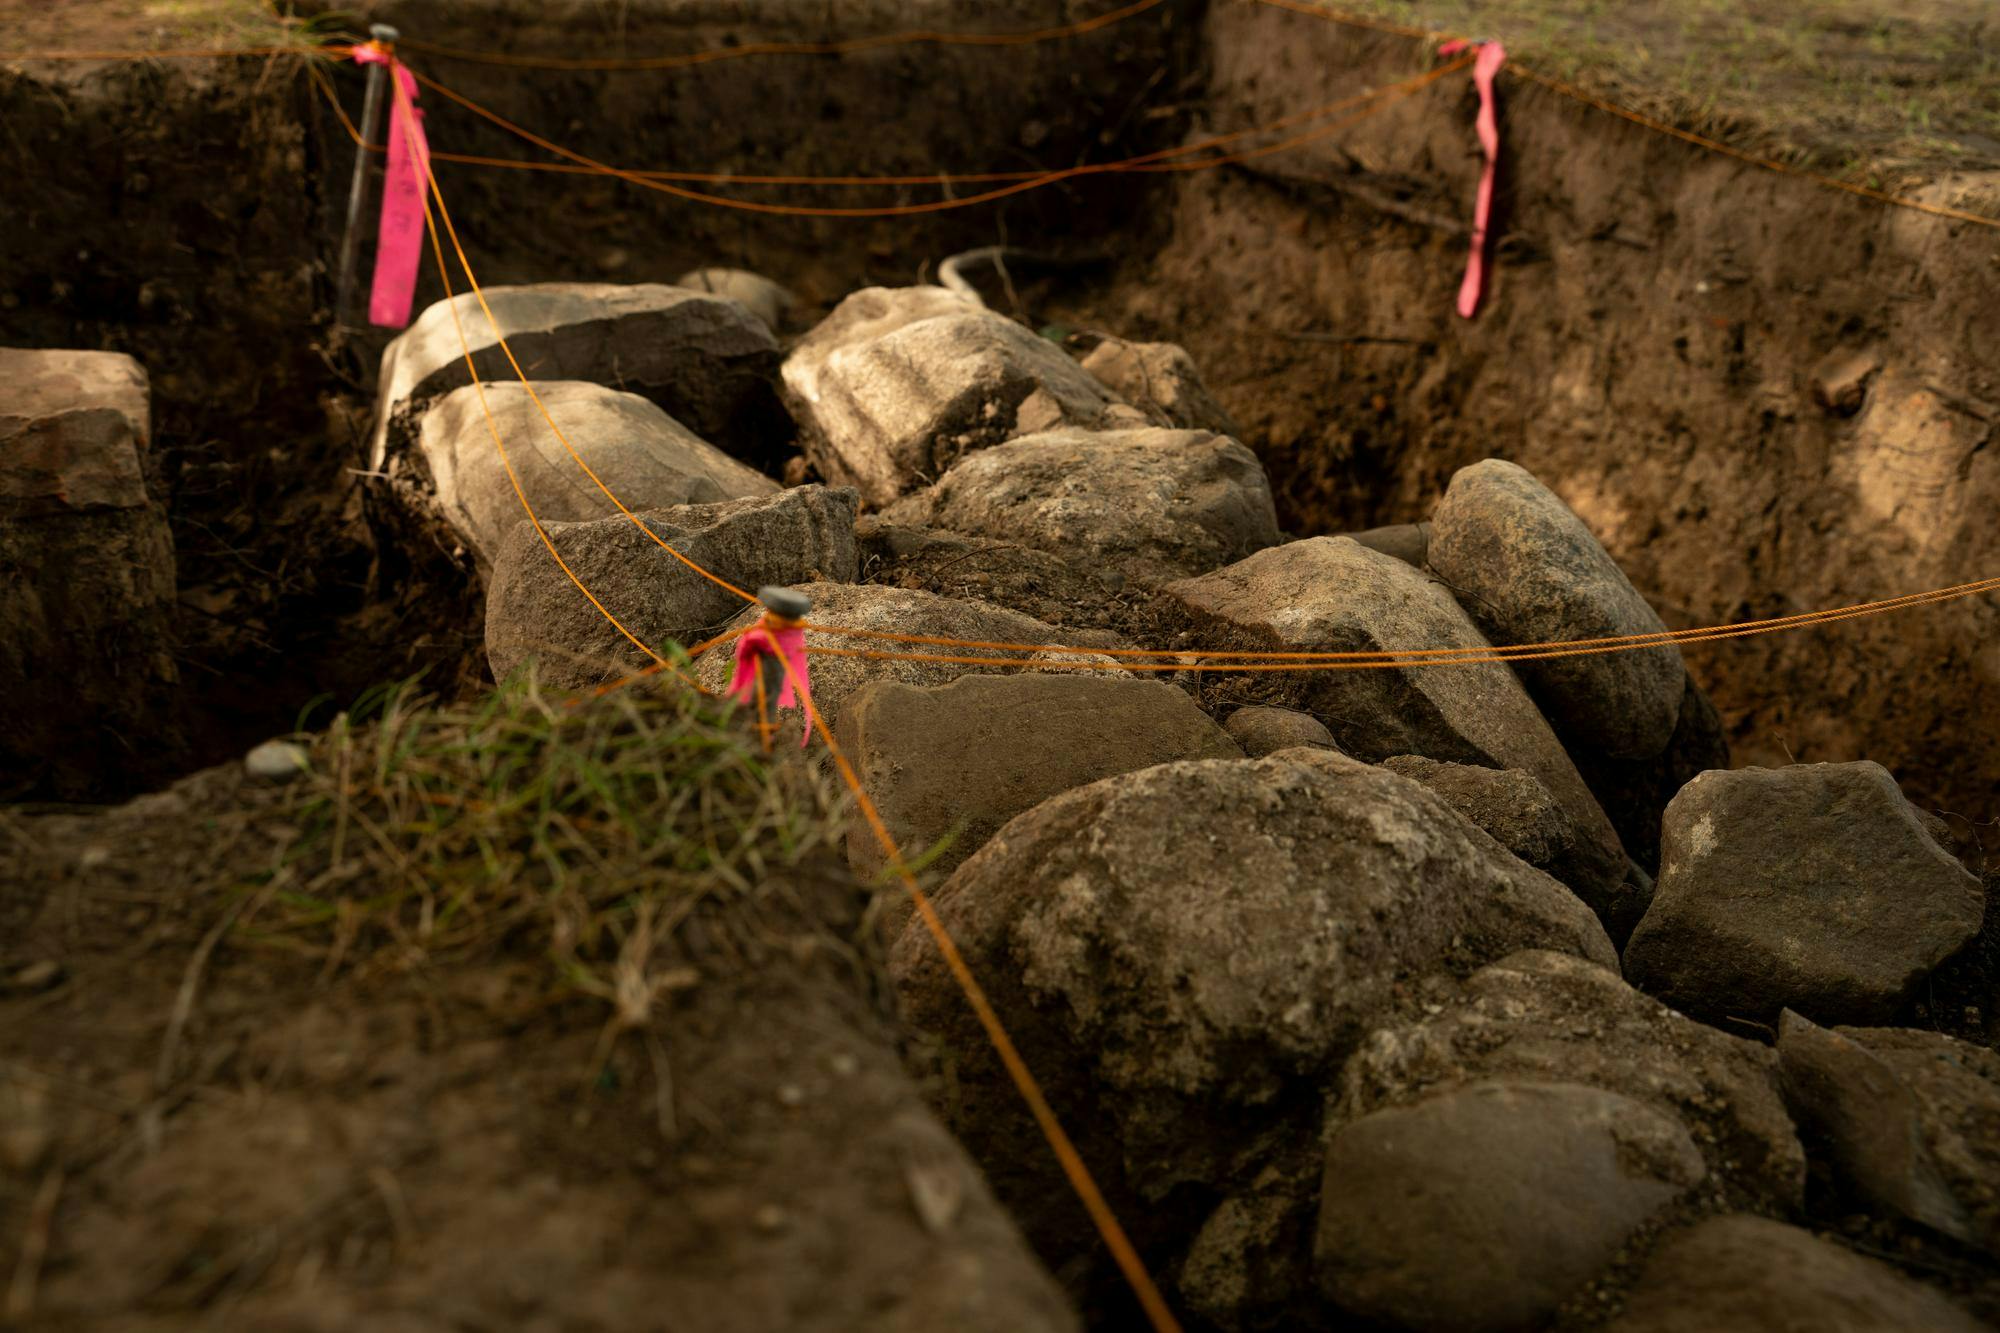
point(1648, 348)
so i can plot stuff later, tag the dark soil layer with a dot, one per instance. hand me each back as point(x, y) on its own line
point(1647, 349)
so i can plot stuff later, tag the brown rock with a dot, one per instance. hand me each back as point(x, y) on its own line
point(1481, 1209)
point(1263, 730)
point(963, 759)
point(1161, 380)
point(1751, 1275)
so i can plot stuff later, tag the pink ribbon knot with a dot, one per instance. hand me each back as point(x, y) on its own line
point(785, 639)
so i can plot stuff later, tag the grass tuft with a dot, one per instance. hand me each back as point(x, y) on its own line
point(586, 831)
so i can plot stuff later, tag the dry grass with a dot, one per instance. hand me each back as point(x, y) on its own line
point(1890, 93)
point(585, 833)
point(158, 25)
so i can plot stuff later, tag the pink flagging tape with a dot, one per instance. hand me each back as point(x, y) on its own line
point(785, 640)
point(1491, 57)
point(399, 243)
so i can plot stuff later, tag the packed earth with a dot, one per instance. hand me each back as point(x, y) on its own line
point(964, 791)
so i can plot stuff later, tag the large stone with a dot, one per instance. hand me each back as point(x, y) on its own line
point(1186, 955)
point(962, 759)
point(1910, 1119)
point(1161, 380)
point(1003, 573)
point(86, 581)
point(1525, 819)
point(1529, 571)
point(1329, 594)
point(898, 384)
point(1482, 1209)
point(704, 359)
point(1812, 887)
point(770, 302)
point(1552, 1017)
point(1261, 729)
point(875, 610)
point(1635, 792)
point(535, 610)
point(640, 455)
point(1151, 504)
point(1752, 1275)
point(1535, 1016)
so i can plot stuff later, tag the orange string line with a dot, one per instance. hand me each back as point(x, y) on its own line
point(940, 178)
point(846, 46)
point(1629, 641)
point(1024, 1080)
point(1421, 657)
point(1145, 162)
point(1575, 93)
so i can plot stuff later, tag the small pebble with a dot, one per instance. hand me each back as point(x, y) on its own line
point(37, 976)
point(791, 1094)
point(276, 761)
point(769, 1218)
point(844, 1064)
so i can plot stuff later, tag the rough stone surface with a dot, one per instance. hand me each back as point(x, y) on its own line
point(642, 455)
point(1331, 594)
point(1187, 953)
point(898, 384)
point(86, 579)
point(1261, 730)
point(534, 610)
point(1910, 1119)
point(705, 360)
point(897, 611)
point(1812, 887)
point(1483, 1208)
point(1525, 819)
point(770, 302)
point(1003, 573)
point(1635, 792)
point(1547, 1016)
point(1159, 379)
point(1151, 504)
point(1752, 1275)
point(1839, 379)
point(969, 756)
point(1528, 571)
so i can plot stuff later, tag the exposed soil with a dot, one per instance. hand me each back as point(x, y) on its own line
point(434, 1141)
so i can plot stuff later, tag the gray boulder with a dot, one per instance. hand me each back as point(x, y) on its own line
point(1525, 819)
point(1812, 887)
point(1151, 504)
point(1910, 1119)
point(1186, 955)
point(1552, 1017)
point(902, 611)
point(896, 385)
point(770, 302)
point(1535, 1016)
point(87, 588)
point(642, 456)
point(535, 610)
point(963, 759)
point(1752, 1275)
point(1159, 379)
point(1529, 571)
point(1482, 1209)
point(1330, 594)
point(987, 569)
point(705, 360)
point(1261, 730)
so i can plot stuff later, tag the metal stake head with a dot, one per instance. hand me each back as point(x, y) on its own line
point(787, 603)
point(382, 32)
